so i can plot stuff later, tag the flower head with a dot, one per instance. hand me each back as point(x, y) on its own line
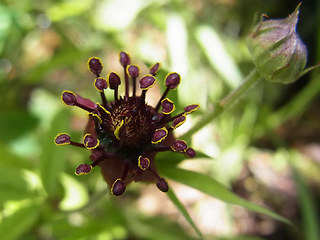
point(125, 134)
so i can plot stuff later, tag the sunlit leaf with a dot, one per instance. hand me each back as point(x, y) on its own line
point(213, 47)
point(68, 8)
point(213, 188)
point(118, 15)
point(75, 195)
point(5, 22)
point(19, 222)
point(13, 186)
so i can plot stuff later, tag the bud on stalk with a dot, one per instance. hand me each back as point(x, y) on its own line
point(277, 50)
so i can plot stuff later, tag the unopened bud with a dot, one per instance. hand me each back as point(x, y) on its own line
point(277, 51)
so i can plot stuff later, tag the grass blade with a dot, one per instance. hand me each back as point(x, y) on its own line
point(210, 186)
point(172, 196)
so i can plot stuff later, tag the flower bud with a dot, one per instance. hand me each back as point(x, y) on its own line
point(277, 51)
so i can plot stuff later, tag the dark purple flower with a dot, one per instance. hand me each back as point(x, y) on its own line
point(125, 134)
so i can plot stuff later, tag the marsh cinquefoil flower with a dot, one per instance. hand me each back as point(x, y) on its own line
point(125, 134)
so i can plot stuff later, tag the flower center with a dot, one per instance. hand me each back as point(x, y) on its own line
point(129, 128)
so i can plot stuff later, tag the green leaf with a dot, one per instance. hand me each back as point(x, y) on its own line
point(14, 124)
point(5, 22)
point(214, 49)
point(215, 189)
point(167, 159)
point(64, 59)
point(52, 157)
point(19, 222)
point(183, 211)
point(13, 186)
point(308, 206)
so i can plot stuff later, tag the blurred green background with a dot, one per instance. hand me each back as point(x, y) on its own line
point(266, 149)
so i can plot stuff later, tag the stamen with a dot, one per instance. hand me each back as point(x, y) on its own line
point(159, 135)
point(172, 81)
point(143, 163)
point(118, 187)
point(155, 69)
point(62, 139)
point(70, 99)
point(83, 169)
point(191, 108)
point(162, 184)
point(179, 146)
point(114, 81)
point(125, 61)
point(177, 122)
point(167, 106)
point(147, 82)
point(95, 66)
point(162, 98)
point(90, 142)
point(190, 153)
point(133, 71)
point(101, 84)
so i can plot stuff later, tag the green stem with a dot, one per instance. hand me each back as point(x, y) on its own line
point(225, 103)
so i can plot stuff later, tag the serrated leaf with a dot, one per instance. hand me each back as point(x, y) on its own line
point(215, 189)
